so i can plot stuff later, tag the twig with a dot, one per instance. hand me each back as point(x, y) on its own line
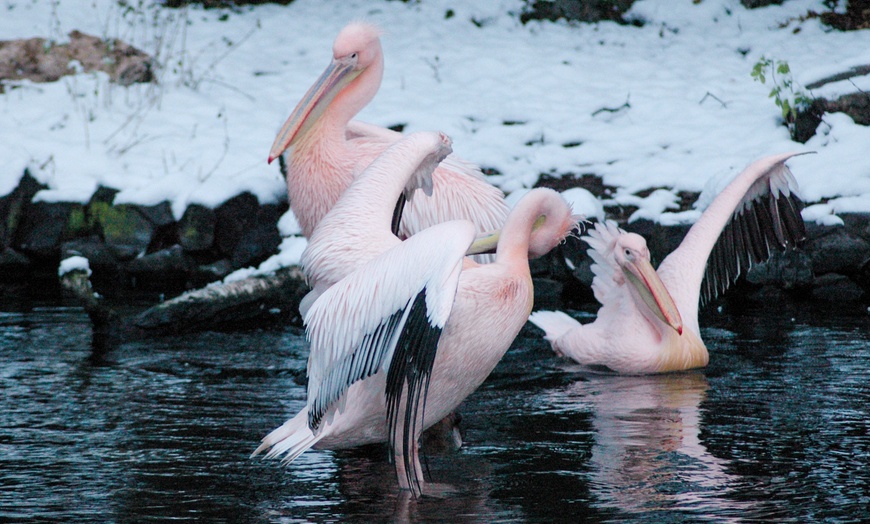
point(626, 105)
point(714, 97)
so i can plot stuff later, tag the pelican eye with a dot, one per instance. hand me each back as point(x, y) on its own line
point(627, 252)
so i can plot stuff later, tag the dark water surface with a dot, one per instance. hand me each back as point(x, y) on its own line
point(776, 429)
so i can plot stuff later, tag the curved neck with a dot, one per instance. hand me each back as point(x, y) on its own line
point(518, 227)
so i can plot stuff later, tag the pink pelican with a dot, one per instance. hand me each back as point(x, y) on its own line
point(401, 341)
point(327, 148)
point(359, 226)
point(648, 320)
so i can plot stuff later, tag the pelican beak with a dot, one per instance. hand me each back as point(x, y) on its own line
point(313, 104)
point(652, 290)
point(484, 243)
point(488, 242)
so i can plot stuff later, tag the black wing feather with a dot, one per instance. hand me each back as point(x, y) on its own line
point(410, 372)
point(364, 362)
point(770, 221)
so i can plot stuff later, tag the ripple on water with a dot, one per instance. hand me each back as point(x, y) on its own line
point(776, 428)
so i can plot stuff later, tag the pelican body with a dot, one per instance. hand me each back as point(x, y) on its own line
point(325, 149)
point(648, 320)
point(401, 341)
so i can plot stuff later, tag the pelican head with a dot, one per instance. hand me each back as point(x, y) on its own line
point(632, 257)
point(356, 49)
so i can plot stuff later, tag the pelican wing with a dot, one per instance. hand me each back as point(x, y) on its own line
point(757, 213)
point(356, 325)
point(602, 240)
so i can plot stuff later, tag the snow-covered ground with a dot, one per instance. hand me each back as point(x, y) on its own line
point(521, 99)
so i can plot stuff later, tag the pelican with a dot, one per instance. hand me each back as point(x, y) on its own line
point(327, 149)
point(648, 320)
point(360, 226)
point(402, 340)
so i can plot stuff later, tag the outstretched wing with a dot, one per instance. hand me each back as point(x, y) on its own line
point(357, 324)
point(758, 212)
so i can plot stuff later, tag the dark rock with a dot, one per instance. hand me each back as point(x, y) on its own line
point(92, 248)
point(807, 121)
point(661, 240)
point(261, 239)
point(753, 4)
point(836, 250)
point(126, 232)
point(14, 205)
point(43, 227)
point(233, 218)
point(196, 229)
point(12, 261)
point(786, 270)
point(172, 261)
point(580, 10)
point(159, 215)
point(836, 288)
point(215, 4)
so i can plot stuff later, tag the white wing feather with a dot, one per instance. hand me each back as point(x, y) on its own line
point(352, 317)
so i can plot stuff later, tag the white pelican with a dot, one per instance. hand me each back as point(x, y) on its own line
point(402, 340)
point(326, 149)
point(648, 320)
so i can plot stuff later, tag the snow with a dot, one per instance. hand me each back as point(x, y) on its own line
point(74, 263)
point(668, 105)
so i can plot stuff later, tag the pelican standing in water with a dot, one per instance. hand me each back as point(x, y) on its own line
point(648, 320)
point(402, 340)
point(326, 149)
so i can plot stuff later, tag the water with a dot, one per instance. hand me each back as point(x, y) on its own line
point(776, 428)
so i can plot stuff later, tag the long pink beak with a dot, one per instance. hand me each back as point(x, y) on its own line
point(313, 104)
point(654, 293)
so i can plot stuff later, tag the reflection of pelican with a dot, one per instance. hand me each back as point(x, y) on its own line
point(648, 321)
point(647, 454)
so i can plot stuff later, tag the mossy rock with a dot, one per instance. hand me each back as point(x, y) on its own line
point(123, 228)
point(196, 229)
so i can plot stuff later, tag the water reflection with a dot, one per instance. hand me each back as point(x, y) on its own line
point(163, 429)
point(647, 453)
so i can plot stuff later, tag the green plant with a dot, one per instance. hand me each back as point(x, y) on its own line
point(787, 95)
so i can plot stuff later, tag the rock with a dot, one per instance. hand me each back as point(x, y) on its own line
point(169, 264)
point(753, 4)
point(196, 229)
point(100, 258)
point(14, 205)
point(836, 288)
point(786, 270)
point(39, 60)
point(581, 10)
point(232, 219)
point(836, 250)
point(12, 261)
point(261, 239)
point(43, 227)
